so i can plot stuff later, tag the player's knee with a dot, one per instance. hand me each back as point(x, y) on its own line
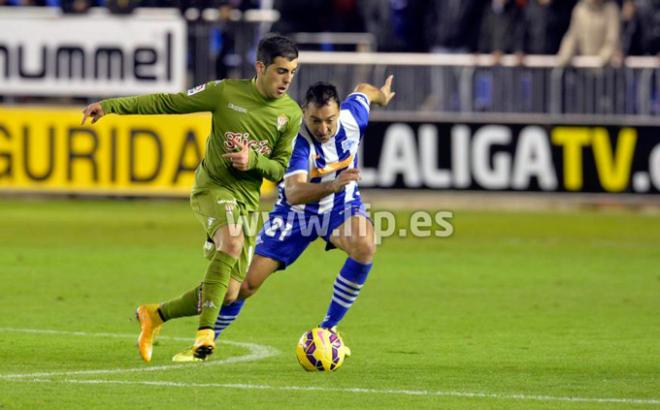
point(363, 250)
point(247, 290)
point(232, 245)
point(231, 296)
point(229, 299)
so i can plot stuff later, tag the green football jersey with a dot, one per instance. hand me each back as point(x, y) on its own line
point(239, 113)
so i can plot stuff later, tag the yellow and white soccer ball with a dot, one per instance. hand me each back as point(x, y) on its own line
point(321, 350)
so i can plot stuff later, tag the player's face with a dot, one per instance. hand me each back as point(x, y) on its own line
point(322, 121)
point(273, 81)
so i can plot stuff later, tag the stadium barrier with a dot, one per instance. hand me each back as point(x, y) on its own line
point(46, 150)
point(466, 83)
point(46, 53)
point(459, 122)
point(511, 156)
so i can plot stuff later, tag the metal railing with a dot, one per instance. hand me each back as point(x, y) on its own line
point(465, 83)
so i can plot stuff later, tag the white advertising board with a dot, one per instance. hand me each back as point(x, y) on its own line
point(46, 53)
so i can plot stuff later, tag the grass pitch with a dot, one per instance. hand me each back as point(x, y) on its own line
point(515, 310)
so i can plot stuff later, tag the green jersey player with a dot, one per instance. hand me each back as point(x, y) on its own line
point(253, 126)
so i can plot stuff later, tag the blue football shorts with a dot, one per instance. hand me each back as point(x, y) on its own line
point(287, 233)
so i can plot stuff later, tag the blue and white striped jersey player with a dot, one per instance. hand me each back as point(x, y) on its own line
point(318, 198)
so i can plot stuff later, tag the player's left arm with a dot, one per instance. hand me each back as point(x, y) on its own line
point(379, 96)
point(299, 191)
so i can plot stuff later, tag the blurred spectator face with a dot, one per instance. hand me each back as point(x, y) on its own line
point(225, 12)
point(80, 6)
point(544, 3)
point(628, 10)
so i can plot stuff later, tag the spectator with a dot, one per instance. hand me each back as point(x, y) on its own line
point(395, 25)
point(501, 26)
point(345, 17)
point(451, 25)
point(76, 6)
point(594, 31)
point(300, 16)
point(631, 38)
point(126, 4)
point(648, 12)
point(224, 40)
point(28, 3)
point(545, 23)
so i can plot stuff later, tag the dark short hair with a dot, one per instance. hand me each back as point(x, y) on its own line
point(273, 46)
point(321, 94)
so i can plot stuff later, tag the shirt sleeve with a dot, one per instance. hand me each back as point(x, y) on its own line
point(358, 105)
point(204, 97)
point(299, 162)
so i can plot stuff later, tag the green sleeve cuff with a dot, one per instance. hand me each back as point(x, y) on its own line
point(106, 106)
point(266, 167)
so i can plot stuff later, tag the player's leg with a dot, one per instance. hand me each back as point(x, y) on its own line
point(260, 268)
point(280, 242)
point(229, 244)
point(232, 305)
point(355, 237)
point(220, 214)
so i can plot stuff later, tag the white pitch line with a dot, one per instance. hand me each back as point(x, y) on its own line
point(260, 352)
point(256, 352)
point(423, 393)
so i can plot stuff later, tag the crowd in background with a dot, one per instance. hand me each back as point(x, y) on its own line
point(610, 29)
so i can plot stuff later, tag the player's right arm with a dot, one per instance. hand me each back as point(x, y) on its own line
point(201, 98)
point(299, 191)
point(379, 96)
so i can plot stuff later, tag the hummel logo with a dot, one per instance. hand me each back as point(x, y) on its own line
point(237, 108)
point(211, 220)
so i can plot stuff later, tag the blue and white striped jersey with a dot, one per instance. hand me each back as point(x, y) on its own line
point(324, 162)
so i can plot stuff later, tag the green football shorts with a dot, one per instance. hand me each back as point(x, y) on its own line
point(216, 207)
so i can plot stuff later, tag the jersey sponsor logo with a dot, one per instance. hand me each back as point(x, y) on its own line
point(196, 90)
point(237, 108)
point(281, 121)
point(232, 139)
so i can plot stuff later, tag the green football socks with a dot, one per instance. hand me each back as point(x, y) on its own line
point(185, 305)
point(214, 288)
point(207, 298)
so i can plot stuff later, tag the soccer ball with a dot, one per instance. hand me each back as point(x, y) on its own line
point(320, 349)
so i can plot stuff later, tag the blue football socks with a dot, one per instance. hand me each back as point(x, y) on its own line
point(227, 315)
point(346, 289)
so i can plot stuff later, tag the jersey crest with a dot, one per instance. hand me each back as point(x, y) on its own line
point(281, 121)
